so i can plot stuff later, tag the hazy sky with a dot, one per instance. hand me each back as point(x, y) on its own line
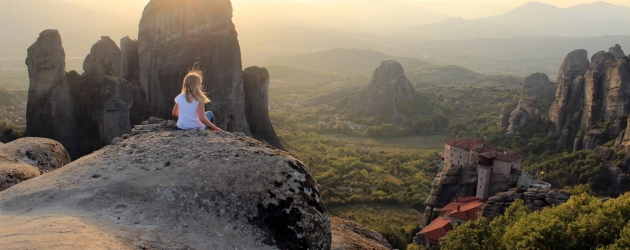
point(135, 4)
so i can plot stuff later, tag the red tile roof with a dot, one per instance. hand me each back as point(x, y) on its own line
point(468, 144)
point(507, 157)
point(437, 229)
point(462, 208)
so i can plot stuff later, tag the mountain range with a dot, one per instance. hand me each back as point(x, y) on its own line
point(534, 19)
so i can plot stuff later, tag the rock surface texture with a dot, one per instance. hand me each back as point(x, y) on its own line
point(535, 199)
point(536, 85)
point(566, 110)
point(27, 158)
point(257, 105)
point(349, 235)
point(389, 87)
point(173, 36)
point(50, 112)
point(593, 99)
point(130, 61)
point(164, 189)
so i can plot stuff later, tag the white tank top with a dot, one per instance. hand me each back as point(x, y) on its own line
point(188, 116)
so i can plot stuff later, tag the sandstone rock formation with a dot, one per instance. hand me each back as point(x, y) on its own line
point(389, 87)
point(526, 110)
point(130, 61)
point(173, 36)
point(566, 110)
point(104, 60)
point(27, 158)
point(504, 118)
point(616, 51)
point(617, 102)
point(595, 79)
point(163, 189)
point(536, 85)
point(105, 96)
point(597, 99)
point(50, 112)
point(256, 86)
point(348, 235)
point(535, 199)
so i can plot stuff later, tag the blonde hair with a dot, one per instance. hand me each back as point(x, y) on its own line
point(192, 88)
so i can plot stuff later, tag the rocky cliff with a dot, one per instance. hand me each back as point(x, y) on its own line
point(256, 86)
point(173, 36)
point(50, 112)
point(595, 79)
point(589, 102)
point(166, 189)
point(27, 158)
point(389, 87)
point(566, 110)
point(130, 61)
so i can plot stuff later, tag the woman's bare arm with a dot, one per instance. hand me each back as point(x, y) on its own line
point(175, 110)
point(201, 112)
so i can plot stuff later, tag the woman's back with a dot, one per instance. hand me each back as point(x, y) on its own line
point(188, 114)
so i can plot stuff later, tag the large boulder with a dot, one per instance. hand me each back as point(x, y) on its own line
point(29, 157)
point(594, 90)
point(176, 35)
point(349, 235)
point(167, 189)
point(257, 105)
point(49, 111)
point(388, 88)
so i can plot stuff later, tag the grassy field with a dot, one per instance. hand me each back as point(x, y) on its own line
point(412, 144)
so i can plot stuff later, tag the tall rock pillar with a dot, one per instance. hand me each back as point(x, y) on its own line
point(174, 36)
point(257, 105)
point(49, 111)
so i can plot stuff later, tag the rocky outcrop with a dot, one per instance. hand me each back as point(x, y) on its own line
point(105, 94)
point(592, 138)
point(175, 35)
point(256, 85)
point(595, 89)
point(348, 235)
point(617, 101)
point(29, 157)
point(600, 101)
point(104, 60)
point(535, 199)
point(130, 61)
point(452, 181)
point(50, 112)
point(527, 109)
point(388, 88)
point(566, 110)
point(164, 189)
point(616, 51)
point(536, 85)
point(504, 118)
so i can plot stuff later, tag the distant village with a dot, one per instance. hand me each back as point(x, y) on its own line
point(14, 114)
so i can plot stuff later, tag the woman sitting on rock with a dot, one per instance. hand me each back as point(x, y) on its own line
point(190, 105)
